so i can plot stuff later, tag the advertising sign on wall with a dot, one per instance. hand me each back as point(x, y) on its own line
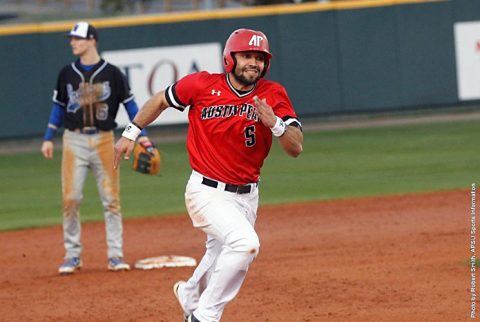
point(150, 70)
point(467, 49)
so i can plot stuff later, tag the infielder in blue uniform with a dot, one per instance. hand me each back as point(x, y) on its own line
point(85, 102)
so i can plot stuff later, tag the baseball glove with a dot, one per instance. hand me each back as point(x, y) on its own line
point(146, 158)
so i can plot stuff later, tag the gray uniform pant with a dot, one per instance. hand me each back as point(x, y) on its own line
point(82, 152)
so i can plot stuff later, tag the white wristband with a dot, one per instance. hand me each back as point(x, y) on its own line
point(279, 128)
point(131, 132)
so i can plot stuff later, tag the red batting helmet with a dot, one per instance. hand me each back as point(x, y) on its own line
point(245, 40)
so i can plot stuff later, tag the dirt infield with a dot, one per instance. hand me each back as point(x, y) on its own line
point(397, 258)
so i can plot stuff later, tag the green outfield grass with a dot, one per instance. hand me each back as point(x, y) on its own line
point(335, 164)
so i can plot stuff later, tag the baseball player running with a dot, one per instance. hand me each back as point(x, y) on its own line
point(232, 119)
point(86, 101)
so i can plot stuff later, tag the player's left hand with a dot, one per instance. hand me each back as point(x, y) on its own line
point(145, 142)
point(264, 112)
point(146, 157)
point(123, 146)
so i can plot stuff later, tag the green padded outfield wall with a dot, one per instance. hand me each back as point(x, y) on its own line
point(333, 58)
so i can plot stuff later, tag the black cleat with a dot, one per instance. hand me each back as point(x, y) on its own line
point(192, 318)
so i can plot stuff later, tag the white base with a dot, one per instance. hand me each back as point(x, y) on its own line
point(165, 261)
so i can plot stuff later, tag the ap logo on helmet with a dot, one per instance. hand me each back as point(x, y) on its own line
point(255, 40)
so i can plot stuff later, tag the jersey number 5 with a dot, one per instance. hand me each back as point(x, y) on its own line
point(250, 136)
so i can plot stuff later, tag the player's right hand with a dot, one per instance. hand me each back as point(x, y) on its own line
point(123, 146)
point(47, 149)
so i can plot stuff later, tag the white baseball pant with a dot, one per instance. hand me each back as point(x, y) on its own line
point(228, 219)
point(82, 152)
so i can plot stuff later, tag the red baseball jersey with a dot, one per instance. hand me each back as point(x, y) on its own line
point(226, 140)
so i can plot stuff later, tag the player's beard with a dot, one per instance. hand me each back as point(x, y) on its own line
point(246, 81)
